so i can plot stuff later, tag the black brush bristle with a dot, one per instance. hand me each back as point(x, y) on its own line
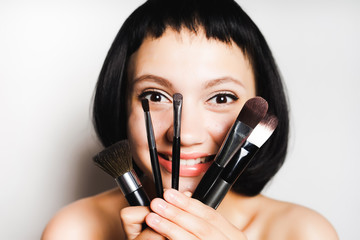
point(177, 98)
point(115, 160)
point(145, 104)
point(253, 111)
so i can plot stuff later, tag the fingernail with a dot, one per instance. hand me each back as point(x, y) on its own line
point(172, 195)
point(161, 205)
point(187, 193)
point(153, 219)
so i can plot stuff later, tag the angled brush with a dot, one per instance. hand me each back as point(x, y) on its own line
point(116, 161)
point(240, 161)
point(250, 115)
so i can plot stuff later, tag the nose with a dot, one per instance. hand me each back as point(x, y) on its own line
point(193, 131)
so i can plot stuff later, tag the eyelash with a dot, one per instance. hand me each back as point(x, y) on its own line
point(151, 93)
point(226, 95)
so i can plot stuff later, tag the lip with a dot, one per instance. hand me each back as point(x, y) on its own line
point(186, 170)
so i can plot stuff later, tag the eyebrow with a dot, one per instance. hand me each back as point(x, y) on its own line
point(166, 83)
point(217, 81)
point(153, 78)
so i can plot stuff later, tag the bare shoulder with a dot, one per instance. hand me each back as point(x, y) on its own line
point(95, 217)
point(300, 222)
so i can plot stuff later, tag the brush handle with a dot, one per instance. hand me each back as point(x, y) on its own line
point(156, 172)
point(230, 174)
point(234, 140)
point(207, 181)
point(239, 162)
point(132, 189)
point(175, 170)
point(218, 191)
point(138, 198)
point(153, 155)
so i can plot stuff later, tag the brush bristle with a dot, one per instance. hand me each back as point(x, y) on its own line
point(145, 104)
point(253, 111)
point(177, 98)
point(263, 130)
point(115, 160)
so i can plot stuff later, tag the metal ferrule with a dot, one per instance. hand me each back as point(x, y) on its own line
point(233, 142)
point(128, 182)
point(150, 130)
point(177, 119)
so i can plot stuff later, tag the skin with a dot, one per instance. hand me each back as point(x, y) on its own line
point(215, 80)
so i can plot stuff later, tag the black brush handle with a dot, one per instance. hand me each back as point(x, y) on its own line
point(175, 170)
point(156, 173)
point(207, 181)
point(218, 191)
point(138, 198)
point(239, 162)
point(230, 174)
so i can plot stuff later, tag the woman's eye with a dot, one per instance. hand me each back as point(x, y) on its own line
point(154, 96)
point(223, 98)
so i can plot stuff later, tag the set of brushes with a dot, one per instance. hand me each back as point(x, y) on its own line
point(240, 161)
point(248, 133)
point(250, 115)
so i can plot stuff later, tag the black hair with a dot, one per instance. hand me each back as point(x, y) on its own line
point(223, 20)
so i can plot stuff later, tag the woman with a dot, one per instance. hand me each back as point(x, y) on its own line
point(212, 53)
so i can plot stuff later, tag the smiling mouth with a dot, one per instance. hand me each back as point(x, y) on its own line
point(190, 162)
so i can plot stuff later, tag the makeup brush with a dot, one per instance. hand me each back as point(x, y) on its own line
point(116, 161)
point(152, 149)
point(175, 170)
point(250, 115)
point(240, 161)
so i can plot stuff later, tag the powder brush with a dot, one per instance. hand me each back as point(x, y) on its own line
point(116, 161)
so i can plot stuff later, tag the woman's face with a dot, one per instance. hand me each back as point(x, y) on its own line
point(215, 80)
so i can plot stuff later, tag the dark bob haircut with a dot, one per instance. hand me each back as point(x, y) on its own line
point(222, 20)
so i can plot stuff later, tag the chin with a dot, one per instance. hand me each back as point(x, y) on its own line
point(185, 183)
point(188, 183)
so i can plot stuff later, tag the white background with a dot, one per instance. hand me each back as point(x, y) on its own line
point(51, 53)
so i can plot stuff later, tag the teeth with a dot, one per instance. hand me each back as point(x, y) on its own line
point(190, 162)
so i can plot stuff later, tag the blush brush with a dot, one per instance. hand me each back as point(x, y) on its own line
point(250, 115)
point(175, 170)
point(152, 149)
point(116, 161)
point(240, 161)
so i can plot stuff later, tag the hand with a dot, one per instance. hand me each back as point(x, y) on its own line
point(180, 217)
point(133, 219)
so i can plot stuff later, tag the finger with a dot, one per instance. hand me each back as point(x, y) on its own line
point(187, 193)
point(132, 219)
point(148, 233)
point(167, 228)
point(184, 221)
point(200, 210)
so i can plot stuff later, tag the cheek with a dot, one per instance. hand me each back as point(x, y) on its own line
point(219, 126)
point(138, 139)
point(162, 122)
